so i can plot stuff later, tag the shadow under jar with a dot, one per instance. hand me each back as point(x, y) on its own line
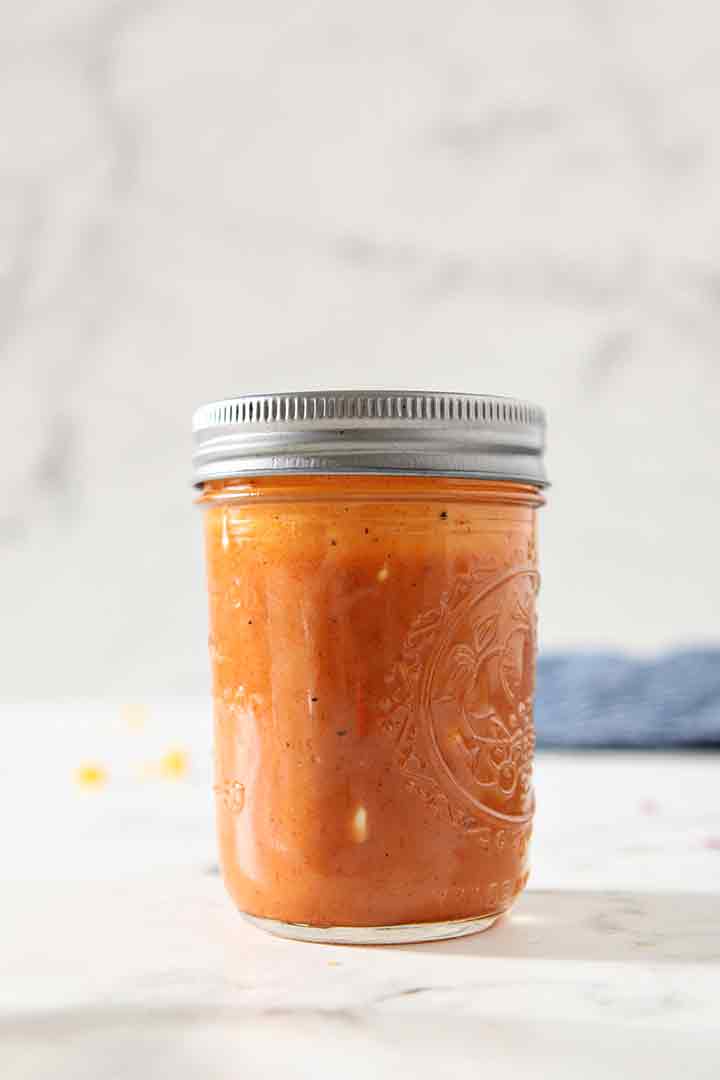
point(372, 574)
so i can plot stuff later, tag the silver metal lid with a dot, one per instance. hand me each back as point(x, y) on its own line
point(380, 431)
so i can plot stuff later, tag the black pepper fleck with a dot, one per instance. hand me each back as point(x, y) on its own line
point(334, 543)
point(343, 731)
point(443, 514)
point(313, 699)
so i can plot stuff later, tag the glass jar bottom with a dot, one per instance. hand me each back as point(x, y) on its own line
point(402, 934)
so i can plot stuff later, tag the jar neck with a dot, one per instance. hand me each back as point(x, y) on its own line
point(377, 487)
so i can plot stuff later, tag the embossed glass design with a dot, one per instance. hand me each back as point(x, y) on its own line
point(373, 646)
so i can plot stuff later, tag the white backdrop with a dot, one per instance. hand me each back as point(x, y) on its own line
point(207, 199)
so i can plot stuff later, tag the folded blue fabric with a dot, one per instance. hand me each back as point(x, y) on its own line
point(610, 699)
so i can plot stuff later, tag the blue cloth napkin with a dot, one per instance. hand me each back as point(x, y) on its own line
point(610, 699)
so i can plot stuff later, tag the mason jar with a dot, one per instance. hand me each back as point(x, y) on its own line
point(372, 574)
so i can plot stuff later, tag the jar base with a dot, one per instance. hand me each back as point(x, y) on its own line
point(401, 934)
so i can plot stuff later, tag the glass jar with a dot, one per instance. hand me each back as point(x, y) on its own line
point(373, 639)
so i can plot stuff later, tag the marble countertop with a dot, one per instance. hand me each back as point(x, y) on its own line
point(121, 956)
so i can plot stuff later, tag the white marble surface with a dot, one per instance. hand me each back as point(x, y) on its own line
point(203, 199)
point(121, 957)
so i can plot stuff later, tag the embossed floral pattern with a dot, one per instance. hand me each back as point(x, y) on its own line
point(460, 700)
point(232, 793)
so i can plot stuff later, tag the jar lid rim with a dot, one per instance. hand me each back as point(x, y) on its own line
point(406, 432)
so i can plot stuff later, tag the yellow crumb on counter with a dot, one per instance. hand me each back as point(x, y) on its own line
point(174, 764)
point(134, 715)
point(91, 776)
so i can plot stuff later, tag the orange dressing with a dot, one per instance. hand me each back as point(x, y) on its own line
point(373, 650)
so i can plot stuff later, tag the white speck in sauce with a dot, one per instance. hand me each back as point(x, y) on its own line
point(359, 825)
